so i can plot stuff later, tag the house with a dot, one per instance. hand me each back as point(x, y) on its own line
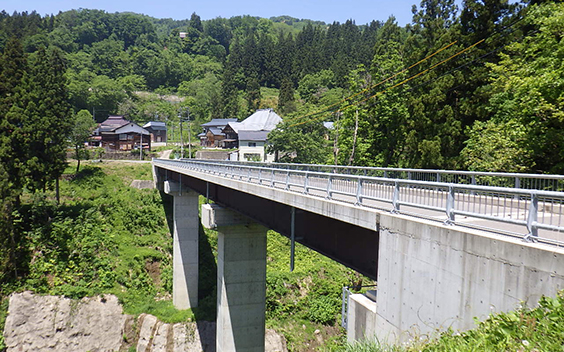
point(213, 136)
point(119, 134)
point(157, 129)
point(251, 135)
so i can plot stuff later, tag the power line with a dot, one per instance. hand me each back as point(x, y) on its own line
point(398, 84)
point(409, 79)
point(374, 86)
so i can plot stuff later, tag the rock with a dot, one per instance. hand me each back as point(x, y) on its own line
point(40, 323)
point(162, 335)
point(142, 184)
point(274, 342)
point(49, 323)
point(148, 324)
point(194, 337)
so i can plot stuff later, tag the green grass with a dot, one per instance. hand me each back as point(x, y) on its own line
point(3, 314)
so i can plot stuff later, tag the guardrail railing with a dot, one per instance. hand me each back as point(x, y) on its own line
point(530, 214)
point(497, 179)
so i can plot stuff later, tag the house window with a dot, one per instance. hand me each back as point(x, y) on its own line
point(252, 144)
point(122, 136)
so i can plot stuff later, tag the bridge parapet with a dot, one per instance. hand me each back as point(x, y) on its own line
point(530, 214)
point(544, 182)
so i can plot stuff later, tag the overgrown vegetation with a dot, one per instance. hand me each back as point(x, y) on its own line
point(525, 329)
point(105, 237)
point(108, 238)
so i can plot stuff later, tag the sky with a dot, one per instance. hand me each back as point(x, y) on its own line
point(362, 11)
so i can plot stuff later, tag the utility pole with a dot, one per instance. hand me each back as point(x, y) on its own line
point(141, 145)
point(189, 134)
point(181, 140)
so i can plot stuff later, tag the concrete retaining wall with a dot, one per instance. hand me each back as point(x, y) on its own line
point(212, 154)
point(432, 276)
point(361, 318)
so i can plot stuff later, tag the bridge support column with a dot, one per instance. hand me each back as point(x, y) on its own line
point(241, 279)
point(185, 246)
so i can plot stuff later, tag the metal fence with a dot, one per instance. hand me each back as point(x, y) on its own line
point(528, 213)
point(496, 179)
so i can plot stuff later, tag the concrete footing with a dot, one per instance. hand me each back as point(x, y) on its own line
point(185, 246)
point(241, 279)
point(361, 319)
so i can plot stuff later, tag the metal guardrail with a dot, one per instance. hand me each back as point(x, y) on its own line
point(514, 211)
point(497, 179)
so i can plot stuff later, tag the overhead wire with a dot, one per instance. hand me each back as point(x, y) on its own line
point(396, 85)
point(405, 81)
point(375, 85)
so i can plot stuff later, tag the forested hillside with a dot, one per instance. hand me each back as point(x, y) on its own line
point(474, 87)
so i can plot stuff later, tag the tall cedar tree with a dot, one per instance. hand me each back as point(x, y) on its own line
point(47, 119)
point(286, 100)
point(13, 66)
point(12, 69)
point(435, 137)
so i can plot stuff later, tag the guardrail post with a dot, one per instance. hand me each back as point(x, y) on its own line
point(438, 177)
point(517, 185)
point(359, 192)
point(329, 181)
point(385, 174)
point(259, 177)
point(306, 182)
point(395, 201)
point(450, 206)
point(287, 179)
point(532, 218)
point(272, 179)
point(344, 307)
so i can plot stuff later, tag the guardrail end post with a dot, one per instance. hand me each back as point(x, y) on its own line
point(395, 201)
point(359, 193)
point(532, 218)
point(450, 206)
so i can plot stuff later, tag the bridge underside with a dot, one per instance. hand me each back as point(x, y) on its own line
point(353, 246)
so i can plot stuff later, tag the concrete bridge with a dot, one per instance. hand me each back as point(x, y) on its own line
point(441, 253)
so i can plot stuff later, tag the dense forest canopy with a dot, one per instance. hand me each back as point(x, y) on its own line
point(475, 87)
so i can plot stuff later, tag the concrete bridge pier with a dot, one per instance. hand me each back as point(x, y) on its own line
point(241, 279)
point(185, 245)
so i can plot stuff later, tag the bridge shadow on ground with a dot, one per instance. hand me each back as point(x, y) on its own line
point(207, 276)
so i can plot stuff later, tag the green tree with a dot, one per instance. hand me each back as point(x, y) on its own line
point(436, 135)
point(196, 23)
point(527, 90)
point(252, 94)
point(286, 100)
point(13, 65)
point(47, 121)
point(301, 142)
point(81, 131)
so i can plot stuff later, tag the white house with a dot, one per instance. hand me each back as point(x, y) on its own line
point(252, 134)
